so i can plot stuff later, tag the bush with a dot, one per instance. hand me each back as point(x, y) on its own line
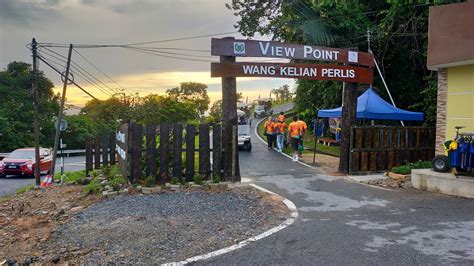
point(216, 179)
point(117, 181)
point(74, 177)
point(406, 169)
point(94, 187)
point(150, 181)
point(198, 179)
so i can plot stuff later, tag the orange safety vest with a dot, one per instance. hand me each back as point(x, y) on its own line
point(294, 129)
point(303, 126)
point(269, 127)
point(280, 127)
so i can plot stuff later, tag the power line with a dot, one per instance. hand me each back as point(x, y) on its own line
point(92, 77)
point(78, 72)
point(60, 73)
point(180, 58)
point(132, 44)
point(85, 59)
point(172, 53)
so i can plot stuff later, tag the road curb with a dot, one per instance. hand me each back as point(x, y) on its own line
point(294, 214)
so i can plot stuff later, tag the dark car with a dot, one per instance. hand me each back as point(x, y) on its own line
point(22, 162)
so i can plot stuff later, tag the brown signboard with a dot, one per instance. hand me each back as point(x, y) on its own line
point(298, 71)
point(121, 147)
point(254, 48)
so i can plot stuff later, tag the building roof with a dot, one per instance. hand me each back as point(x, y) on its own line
point(451, 35)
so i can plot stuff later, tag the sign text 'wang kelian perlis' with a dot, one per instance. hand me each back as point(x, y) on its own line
point(289, 70)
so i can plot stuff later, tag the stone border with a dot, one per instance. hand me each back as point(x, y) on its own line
point(294, 214)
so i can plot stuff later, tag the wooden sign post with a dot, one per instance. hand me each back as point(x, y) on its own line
point(357, 69)
point(229, 120)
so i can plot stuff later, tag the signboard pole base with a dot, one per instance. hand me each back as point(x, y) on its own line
point(229, 120)
point(349, 107)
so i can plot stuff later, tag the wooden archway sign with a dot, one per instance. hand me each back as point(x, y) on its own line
point(351, 67)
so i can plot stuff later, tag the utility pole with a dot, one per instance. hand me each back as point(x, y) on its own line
point(34, 94)
point(60, 114)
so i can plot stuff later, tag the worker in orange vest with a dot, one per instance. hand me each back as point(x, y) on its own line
point(303, 129)
point(281, 117)
point(280, 130)
point(269, 131)
point(294, 136)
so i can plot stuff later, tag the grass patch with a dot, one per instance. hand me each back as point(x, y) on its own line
point(406, 169)
point(71, 177)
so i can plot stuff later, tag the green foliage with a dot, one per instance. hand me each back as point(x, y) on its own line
point(174, 180)
point(150, 181)
point(94, 187)
point(80, 128)
point(16, 109)
point(216, 179)
point(25, 189)
point(399, 43)
point(107, 114)
point(156, 109)
point(73, 177)
point(191, 92)
point(406, 169)
point(197, 179)
point(117, 182)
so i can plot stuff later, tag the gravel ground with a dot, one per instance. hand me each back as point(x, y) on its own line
point(166, 227)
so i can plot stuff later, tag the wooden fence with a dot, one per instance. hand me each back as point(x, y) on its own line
point(158, 150)
point(379, 148)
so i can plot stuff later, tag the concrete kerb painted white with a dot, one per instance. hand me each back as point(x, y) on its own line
point(282, 153)
point(294, 214)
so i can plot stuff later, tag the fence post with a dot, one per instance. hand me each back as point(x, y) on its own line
point(216, 151)
point(105, 151)
point(151, 150)
point(190, 150)
point(204, 156)
point(112, 148)
point(136, 152)
point(89, 157)
point(178, 151)
point(164, 152)
point(97, 152)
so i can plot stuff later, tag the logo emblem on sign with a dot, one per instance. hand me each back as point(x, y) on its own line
point(239, 48)
point(353, 57)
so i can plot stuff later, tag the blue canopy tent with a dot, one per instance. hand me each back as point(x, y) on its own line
point(371, 107)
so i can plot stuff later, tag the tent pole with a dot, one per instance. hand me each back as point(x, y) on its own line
point(315, 139)
point(386, 87)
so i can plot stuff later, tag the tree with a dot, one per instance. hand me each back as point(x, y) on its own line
point(399, 43)
point(80, 128)
point(156, 109)
point(16, 108)
point(216, 111)
point(193, 92)
point(107, 114)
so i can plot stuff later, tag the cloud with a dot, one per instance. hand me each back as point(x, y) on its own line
point(24, 13)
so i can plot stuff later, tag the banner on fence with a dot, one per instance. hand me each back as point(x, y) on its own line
point(121, 147)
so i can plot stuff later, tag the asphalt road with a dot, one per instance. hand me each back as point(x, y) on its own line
point(11, 183)
point(342, 222)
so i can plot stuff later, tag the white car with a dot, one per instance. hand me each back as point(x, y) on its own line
point(243, 130)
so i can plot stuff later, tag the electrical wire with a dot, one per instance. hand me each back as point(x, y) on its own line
point(104, 87)
point(167, 56)
point(132, 44)
point(77, 72)
point(85, 59)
